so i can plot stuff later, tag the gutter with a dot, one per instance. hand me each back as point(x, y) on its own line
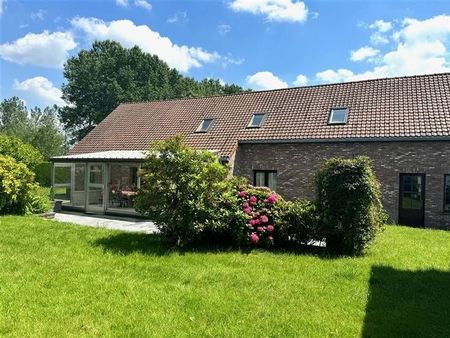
point(350, 139)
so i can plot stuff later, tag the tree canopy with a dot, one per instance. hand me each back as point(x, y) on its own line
point(99, 79)
point(37, 127)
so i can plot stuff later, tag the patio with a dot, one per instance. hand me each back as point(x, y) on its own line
point(127, 224)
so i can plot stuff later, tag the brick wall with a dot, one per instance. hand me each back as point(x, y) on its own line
point(296, 164)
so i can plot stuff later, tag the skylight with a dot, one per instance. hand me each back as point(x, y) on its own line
point(338, 116)
point(257, 120)
point(204, 126)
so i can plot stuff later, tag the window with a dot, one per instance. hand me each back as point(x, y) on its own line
point(204, 126)
point(338, 116)
point(266, 178)
point(257, 120)
point(447, 193)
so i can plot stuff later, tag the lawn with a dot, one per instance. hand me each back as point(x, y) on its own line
point(64, 280)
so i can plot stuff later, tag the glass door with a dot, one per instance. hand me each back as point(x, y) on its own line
point(412, 199)
point(96, 188)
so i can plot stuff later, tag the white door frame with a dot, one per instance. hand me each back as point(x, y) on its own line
point(96, 208)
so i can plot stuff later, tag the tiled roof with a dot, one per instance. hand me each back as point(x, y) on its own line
point(391, 108)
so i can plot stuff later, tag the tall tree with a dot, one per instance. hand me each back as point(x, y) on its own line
point(14, 119)
point(101, 78)
point(46, 131)
point(40, 128)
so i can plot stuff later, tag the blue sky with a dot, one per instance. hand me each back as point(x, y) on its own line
point(258, 44)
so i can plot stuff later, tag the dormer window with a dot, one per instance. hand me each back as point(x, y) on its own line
point(257, 120)
point(204, 126)
point(338, 116)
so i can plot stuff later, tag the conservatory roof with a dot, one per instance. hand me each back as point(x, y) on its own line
point(111, 155)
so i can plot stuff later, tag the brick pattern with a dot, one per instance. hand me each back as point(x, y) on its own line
point(414, 106)
point(296, 164)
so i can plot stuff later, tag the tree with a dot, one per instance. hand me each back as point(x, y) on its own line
point(99, 79)
point(14, 118)
point(37, 127)
point(46, 133)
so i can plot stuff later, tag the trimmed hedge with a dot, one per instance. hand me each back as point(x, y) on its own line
point(348, 201)
point(43, 173)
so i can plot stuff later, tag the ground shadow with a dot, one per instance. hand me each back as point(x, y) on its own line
point(126, 243)
point(408, 303)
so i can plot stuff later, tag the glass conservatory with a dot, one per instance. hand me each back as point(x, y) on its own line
point(102, 182)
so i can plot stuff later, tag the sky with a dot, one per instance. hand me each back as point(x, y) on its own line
point(258, 44)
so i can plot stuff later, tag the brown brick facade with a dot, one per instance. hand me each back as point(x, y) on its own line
point(296, 164)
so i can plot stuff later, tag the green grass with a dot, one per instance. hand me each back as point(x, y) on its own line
point(63, 280)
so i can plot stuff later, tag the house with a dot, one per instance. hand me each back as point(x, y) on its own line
point(278, 138)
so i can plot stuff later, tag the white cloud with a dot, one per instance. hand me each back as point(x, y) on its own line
point(331, 76)
point(301, 80)
point(39, 15)
point(273, 10)
point(41, 88)
point(265, 80)
point(378, 38)
point(422, 47)
point(381, 26)
point(128, 34)
point(223, 29)
point(2, 2)
point(44, 49)
point(363, 53)
point(143, 4)
point(122, 3)
point(180, 16)
point(230, 60)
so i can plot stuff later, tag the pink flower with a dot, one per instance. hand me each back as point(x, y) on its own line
point(248, 210)
point(253, 200)
point(252, 222)
point(270, 238)
point(272, 198)
point(257, 221)
point(266, 201)
point(270, 228)
point(260, 229)
point(264, 219)
point(245, 205)
point(242, 194)
point(254, 238)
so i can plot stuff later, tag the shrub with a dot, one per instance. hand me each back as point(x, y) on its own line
point(299, 223)
point(348, 200)
point(258, 216)
point(20, 151)
point(184, 191)
point(38, 200)
point(43, 173)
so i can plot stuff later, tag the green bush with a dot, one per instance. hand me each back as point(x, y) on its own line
point(43, 173)
point(20, 151)
point(184, 191)
point(18, 192)
point(348, 200)
point(38, 200)
point(299, 223)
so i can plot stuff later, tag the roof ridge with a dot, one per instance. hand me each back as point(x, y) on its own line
point(289, 88)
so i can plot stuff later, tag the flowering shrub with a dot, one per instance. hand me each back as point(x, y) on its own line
point(261, 209)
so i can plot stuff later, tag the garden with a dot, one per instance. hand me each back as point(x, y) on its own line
point(193, 200)
point(230, 259)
